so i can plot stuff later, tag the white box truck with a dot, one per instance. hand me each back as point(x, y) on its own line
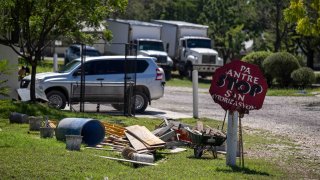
point(189, 47)
point(146, 40)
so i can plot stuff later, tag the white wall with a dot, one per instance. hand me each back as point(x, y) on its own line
point(9, 54)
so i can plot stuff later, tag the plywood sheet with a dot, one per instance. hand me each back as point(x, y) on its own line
point(143, 134)
point(136, 144)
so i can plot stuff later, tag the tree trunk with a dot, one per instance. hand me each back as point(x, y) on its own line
point(310, 57)
point(277, 44)
point(33, 80)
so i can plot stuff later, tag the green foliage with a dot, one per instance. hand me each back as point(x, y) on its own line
point(306, 15)
point(257, 58)
point(303, 76)
point(280, 66)
point(36, 23)
point(4, 70)
point(302, 61)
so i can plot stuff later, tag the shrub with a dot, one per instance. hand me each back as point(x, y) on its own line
point(4, 70)
point(257, 58)
point(303, 76)
point(302, 61)
point(280, 66)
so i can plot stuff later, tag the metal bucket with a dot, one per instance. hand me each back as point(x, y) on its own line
point(92, 130)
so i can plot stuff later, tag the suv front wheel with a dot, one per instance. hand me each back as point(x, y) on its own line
point(56, 99)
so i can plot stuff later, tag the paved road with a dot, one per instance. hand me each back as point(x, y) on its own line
point(297, 117)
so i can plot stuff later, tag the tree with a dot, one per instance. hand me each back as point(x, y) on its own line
point(33, 24)
point(227, 25)
point(4, 70)
point(305, 15)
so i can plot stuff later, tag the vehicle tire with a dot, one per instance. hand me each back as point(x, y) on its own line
point(56, 99)
point(167, 74)
point(189, 71)
point(118, 107)
point(141, 102)
point(182, 73)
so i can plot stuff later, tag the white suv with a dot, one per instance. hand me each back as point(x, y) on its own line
point(104, 78)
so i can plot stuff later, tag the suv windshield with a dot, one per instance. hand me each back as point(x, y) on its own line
point(69, 67)
point(199, 43)
point(151, 45)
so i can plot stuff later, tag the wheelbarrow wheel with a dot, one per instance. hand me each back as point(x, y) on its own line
point(198, 151)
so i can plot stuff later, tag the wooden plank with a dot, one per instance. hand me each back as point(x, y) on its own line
point(126, 160)
point(136, 144)
point(199, 126)
point(144, 135)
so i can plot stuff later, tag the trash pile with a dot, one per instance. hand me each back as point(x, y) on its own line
point(135, 143)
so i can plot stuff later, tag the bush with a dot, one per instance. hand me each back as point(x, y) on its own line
point(303, 76)
point(257, 58)
point(280, 66)
point(302, 61)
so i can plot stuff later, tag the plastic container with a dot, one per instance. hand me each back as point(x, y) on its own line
point(92, 130)
point(18, 118)
point(35, 123)
point(46, 132)
point(73, 142)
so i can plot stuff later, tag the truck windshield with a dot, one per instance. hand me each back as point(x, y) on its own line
point(151, 45)
point(199, 43)
point(69, 67)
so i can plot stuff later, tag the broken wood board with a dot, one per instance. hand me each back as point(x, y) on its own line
point(114, 129)
point(126, 160)
point(144, 135)
point(135, 143)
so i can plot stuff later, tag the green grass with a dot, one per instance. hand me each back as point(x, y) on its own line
point(177, 81)
point(25, 156)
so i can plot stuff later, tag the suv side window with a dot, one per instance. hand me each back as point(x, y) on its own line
point(139, 65)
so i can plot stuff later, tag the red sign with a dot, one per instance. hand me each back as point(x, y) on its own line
point(238, 86)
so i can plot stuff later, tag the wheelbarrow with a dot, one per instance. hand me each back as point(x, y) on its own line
point(204, 142)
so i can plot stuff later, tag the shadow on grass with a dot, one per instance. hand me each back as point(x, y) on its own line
point(243, 170)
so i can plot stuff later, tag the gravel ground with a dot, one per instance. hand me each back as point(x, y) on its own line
point(295, 117)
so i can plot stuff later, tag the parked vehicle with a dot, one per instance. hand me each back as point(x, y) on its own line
point(73, 52)
point(146, 38)
point(104, 78)
point(189, 47)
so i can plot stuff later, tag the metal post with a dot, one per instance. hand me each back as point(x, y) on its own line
point(195, 93)
point(82, 80)
point(232, 138)
point(55, 62)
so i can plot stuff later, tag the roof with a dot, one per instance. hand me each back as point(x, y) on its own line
point(180, 23)
point(135, 22)
point(92, 58)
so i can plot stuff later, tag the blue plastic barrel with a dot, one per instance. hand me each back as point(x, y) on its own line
point(92, 130)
